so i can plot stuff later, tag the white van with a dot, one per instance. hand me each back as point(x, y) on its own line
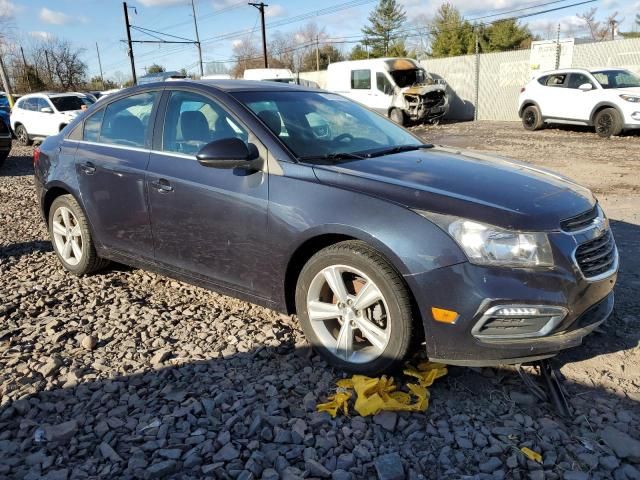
point(396, 87)
point(282, 75)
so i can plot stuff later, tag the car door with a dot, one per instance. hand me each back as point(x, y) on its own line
point(382, 95)
point(28, 117)
point(552, 100)
point(580, 103)
point(45, 121)
point(111, 162)
point(207, 222)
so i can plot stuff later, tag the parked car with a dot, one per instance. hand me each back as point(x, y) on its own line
point(396, 87)
point(607, 99)
point(375, 239)
point(39, 115)
point(5, 131)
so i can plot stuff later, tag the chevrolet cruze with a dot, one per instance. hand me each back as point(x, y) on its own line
point(306, 202)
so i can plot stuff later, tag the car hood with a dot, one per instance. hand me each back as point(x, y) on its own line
point(467, 184)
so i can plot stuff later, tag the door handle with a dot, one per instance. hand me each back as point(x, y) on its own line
point(88, 168)
point(162, 186)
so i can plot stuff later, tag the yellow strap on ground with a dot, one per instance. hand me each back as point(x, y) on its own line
point(531, 455)
point(374, 395)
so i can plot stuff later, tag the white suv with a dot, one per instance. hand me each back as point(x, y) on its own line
point(608, 99)
point(39, 115)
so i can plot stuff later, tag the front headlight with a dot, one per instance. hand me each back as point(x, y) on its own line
point(630, 98)
point(490, 245)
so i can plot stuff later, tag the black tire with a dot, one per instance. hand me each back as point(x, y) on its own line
point(89, 260)
point(608, 123)
point(532, 118)
point(397, 116)
point(359, 255)
point(23, 136)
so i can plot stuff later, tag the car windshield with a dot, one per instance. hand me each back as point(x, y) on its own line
point(70, 102)
point(406, 78)
point(325, 125)
point(617, 79)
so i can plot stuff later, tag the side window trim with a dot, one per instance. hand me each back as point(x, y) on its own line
point(162, 115)
point(152, 119)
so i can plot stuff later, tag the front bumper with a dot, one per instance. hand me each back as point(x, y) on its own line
point(5, 143)
point(472, 290)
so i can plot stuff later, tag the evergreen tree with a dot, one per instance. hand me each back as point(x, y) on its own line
point(451, 34)
point(384, 22)
point(504, 35)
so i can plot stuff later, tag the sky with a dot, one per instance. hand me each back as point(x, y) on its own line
point(87, 22)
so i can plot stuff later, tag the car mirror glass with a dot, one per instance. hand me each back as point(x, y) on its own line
point(585, 87)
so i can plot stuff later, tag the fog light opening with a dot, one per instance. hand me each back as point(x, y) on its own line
point(518, 321)
point(444, 316)
point(635, 115)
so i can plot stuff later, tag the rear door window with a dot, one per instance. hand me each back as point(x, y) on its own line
point(127, 121)
point(557, 80)
point(361, 79)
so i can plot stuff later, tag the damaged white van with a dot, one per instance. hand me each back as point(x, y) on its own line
point(396, 87)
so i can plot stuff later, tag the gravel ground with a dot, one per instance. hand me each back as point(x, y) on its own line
point(128, 374)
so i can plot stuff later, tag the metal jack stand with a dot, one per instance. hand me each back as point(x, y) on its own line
point(553, 391)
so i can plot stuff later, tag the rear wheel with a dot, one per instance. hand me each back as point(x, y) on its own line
point(72, 242)
point(532, 118)
point(608, 123)
point(354, 308)
point(397, 116)
point(23, 136)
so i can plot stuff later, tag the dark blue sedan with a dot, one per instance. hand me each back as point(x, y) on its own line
point(308, 203)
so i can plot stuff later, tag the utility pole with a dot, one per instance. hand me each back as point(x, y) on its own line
point(100, 65)
point(613, 29)
point(477, 78)
point(195, 24)
point(558, 48)
point(317, 52)
point(26, 72)
point(260, 6)
point(129, 44)
point(5, 83)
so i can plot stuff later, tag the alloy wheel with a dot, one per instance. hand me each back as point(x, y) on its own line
point(23, 137)
point(348, 314)
point(67, 235)
point(605, 123)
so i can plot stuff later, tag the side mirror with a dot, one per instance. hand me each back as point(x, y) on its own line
point(585, 87)
point(46, 110)
point(227, 153)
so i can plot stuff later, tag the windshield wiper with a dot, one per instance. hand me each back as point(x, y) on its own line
point(397, 149)
point(334, 156)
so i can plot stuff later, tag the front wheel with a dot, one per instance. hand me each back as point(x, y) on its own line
point(355, 309)
point(397, 116)
point(72, 242)
point(608, 123)
point(23, 136)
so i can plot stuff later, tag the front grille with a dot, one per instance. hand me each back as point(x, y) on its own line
point(597, 256)
point(579, 222)
point(434, 99)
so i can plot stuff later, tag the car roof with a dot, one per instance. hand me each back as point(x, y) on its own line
point(52, 94)
point(225, 85)
point(577, 69)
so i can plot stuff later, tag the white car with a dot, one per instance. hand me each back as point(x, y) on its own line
point(607, 99)
point(39, 115)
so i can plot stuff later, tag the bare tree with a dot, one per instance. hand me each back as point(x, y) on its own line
point(599, 30)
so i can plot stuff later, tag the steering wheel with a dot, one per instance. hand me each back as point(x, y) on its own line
point(344, 136)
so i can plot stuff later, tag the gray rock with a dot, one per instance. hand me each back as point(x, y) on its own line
point(575, 475)
point(170, 453)
point(227, 453)
point(61, 474)
point(345, 461)
point(389, 467)
point(589, 459)
point(159, 357)
point(525, 399)
point(464, 442)
point(491, 465)
point(316, 469)
point(609, 462)
point(386, 420)
point(89, 342)
point(270, 474)
point(109, 453)
point(51, 367)
point(623, 445)
point(161, 469)
point(341, 475)
point(63, 432)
